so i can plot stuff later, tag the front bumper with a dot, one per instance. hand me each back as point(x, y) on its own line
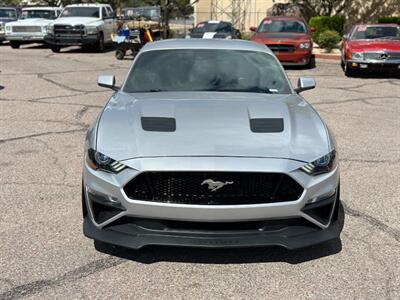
point(392, 65)
point(71, 40)
point(25, 37)
point(296, 58)
point(134, 223)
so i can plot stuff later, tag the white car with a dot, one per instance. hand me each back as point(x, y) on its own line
point(32, 25)
point(82, 25)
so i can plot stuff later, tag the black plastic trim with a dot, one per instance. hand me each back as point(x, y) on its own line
point(158, 124)
point(266, 125)
point(291, 237)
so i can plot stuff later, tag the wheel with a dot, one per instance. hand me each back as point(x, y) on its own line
point(311, 63)
point(100, 43)
point(15, 45)
point(348, 71)
point(55, 48)
point(120, 54)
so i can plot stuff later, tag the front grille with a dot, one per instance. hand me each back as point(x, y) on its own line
point(281, 48)
point(26, 29)
point(381, 56)
point(69, 30)
point(195, 188)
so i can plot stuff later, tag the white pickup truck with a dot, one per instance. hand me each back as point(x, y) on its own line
point(88, 25)
point(32, 25)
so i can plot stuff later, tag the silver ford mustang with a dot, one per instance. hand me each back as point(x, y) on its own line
point(207, 144)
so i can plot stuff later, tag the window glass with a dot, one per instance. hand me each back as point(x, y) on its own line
point(206, 70)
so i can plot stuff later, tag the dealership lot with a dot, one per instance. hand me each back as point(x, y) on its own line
point(48, 100)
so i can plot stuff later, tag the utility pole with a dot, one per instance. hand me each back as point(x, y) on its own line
point(166, 23)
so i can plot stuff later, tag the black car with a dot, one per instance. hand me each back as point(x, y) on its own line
point(214, 30)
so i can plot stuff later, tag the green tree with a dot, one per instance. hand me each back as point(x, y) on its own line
point(324, 7)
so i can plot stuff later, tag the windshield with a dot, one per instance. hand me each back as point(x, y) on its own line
point(148, 13)
point(294, 26)
point(8, 13)
point(41, 14)
point(376, 32)
point(210, 27)
point(206, 70)
point(91, 12)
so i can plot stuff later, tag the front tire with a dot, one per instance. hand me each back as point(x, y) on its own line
point(55, 49)
point(120, 54)
point(100, 43)
point(311, 63)
point(15, 45)
point(348, 71)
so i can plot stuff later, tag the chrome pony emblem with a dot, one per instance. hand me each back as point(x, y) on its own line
point(214, 186)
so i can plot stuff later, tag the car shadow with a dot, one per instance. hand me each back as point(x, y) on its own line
point(81, 50)
point(154, 254)
point(380, 75)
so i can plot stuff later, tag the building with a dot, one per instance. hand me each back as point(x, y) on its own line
point(242, 13)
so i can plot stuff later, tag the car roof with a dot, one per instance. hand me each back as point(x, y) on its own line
point(377, 24)
point(41, 8)
point(284, 18)
point(88, 5)
point(206, 44)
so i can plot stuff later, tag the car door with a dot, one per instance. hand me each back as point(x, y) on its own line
point(108, 24)
point(112, 17)
point(344, 46)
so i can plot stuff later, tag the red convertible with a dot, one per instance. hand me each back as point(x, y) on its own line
point(372, 47)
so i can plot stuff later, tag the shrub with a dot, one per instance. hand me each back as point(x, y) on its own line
point(329, 40)
point(324, 23)
point(246, 36)
point(389, 20)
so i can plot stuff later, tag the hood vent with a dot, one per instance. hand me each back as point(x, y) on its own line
point(158, 124)
point(266, 125)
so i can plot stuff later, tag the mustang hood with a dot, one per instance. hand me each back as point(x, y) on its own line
point(211, 124)
point(375, 45)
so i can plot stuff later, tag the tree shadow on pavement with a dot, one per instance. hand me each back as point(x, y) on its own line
point(154, 254)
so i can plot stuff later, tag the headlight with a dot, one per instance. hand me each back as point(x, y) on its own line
point(1, 27)
point(91, 30)
point(99, 161)
point(44, 29)
point(324, 164)
point(50, 29)
point(357, 55)
point(306, 45)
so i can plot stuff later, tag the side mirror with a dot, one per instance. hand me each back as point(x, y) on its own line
point(107, 81)
point(313, 29)
point(345, 36)
point(253, 29)
point(304, 84)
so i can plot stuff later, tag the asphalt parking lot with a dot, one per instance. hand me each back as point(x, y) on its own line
point(48, 100)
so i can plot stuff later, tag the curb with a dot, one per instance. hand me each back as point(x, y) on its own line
point(328, 56)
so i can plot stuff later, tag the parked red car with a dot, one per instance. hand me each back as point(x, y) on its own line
point(288, 37)
point(371, 47)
